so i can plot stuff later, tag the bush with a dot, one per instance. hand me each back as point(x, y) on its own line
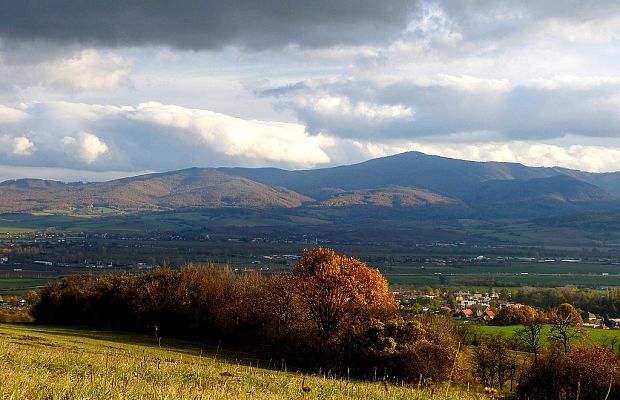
point(7, 315)
point(424, 362)
point(411, 350)
point(587, 373)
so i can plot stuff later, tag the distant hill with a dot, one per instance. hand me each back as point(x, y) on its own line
point(410, 181)
point(194, 188)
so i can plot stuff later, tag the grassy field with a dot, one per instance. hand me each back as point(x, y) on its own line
point(59, 363)
point(550, 274)
point(21, 284)
point(592, 336)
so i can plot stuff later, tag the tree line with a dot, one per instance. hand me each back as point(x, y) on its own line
point(601, 302)
point(332, 313)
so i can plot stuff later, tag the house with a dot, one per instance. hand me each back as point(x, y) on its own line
point(591, 319)
point(488, 315)
point(466, 313)
point(467, 303)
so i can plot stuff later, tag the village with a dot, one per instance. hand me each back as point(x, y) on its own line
point(477, 307)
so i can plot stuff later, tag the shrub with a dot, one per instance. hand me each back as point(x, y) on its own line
point(587, 373)
point(7, 315)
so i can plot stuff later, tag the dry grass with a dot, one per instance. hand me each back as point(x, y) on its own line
point(52, 363)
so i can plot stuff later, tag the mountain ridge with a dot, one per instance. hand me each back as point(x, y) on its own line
point(410, 180)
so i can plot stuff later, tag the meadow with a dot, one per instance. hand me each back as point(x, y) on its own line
point(603, 337)
point(18, 284)
point(40, 362)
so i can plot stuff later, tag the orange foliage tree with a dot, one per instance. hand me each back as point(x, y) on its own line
point(339, 292)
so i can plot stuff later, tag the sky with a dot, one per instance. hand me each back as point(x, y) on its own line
point(94, 90)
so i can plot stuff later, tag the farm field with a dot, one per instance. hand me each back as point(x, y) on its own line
point(505, 274)
point(39, 362)
point(503, 280)
point(21, 284)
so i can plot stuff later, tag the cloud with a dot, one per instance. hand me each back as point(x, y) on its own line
point(444, 106)
point(22, 146)
point(581, 157)
point(13, 145)
point(88, 146)
point(62, 174)
point(584, 21)
point(253, 139)
point(67, 71)
point(155, 136)
point(196, 24)
point(86, 70)
point(10, 115)
point(94, 141)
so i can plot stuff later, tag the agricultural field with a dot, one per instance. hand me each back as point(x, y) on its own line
point(552, 274)
point(17, 284)
point(39, 362)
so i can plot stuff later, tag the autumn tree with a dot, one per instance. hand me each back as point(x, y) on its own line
point(515, 315)
point(494, 363)
point(566, 320)
point(338, 292)
point(31, 297)
point(530, 336)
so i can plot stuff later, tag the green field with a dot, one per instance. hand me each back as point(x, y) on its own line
point(21, 284)
point(602, 337)
point(505, 274)
point(57, 363)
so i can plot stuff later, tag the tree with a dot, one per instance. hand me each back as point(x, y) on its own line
point(530, 337)
point(513, 315)
point(31, 297)
point(566, 320)
point(584, 373)
point(338, 292)
point(494, 363)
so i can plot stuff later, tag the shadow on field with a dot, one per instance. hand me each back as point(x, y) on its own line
point(140, 339)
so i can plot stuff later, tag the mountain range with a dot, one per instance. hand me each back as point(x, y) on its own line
point(408, 183)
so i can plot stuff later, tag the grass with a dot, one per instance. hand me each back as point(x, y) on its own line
point(56, 363)
point(592, 336)
point(21, 284)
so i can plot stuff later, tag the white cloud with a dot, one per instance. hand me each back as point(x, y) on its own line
point(265, 140)
point(22, 146)
point(89, 147)
point(87, 70)
point(344, 107)
point(582, 157)
point(575, 82)
point(68, 71)
point(468, 83)
point(16, 145)
point(10, 115)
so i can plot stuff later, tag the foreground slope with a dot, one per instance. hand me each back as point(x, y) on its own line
point(57, 363)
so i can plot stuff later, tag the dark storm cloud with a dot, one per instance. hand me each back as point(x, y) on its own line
point(195, 24)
